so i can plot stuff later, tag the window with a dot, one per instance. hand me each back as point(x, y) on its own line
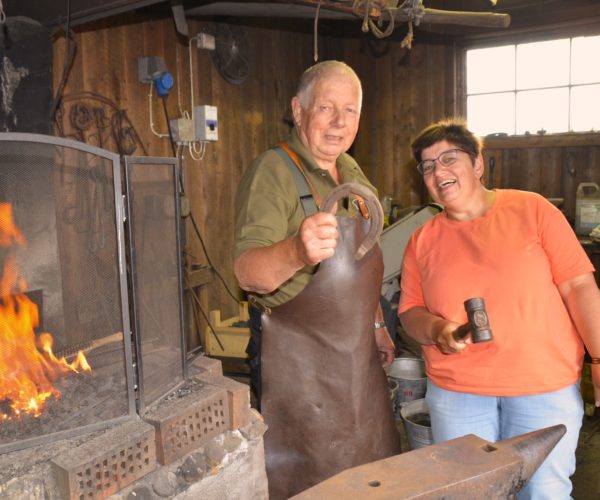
point(551, 86)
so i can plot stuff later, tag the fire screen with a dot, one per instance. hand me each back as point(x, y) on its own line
point(65, 354)
point(154, 256)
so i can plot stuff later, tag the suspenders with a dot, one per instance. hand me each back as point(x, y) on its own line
point(308, 195)
point(307, 198)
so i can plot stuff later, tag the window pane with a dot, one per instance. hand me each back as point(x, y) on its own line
point(584, 60)
point(491, 70)
point(543, 110)
point(490, 114)
point(543, 64)
point(585, 108)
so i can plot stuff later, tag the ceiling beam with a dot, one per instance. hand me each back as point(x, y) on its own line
point(431, 16)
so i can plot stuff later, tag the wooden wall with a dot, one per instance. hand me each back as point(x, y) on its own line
point(404, 90)
point(399, 98)
point(551, 165)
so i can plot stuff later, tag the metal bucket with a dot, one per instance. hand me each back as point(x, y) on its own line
point(417, 424)
point(412, 382)
point(393, 387)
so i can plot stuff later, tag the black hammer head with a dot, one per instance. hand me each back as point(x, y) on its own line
point(478, 320)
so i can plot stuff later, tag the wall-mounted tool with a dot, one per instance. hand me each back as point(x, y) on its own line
point(477, 325)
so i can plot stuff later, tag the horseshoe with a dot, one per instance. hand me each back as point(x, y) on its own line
point(373, 205)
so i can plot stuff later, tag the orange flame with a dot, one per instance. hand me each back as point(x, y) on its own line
point(28, 367)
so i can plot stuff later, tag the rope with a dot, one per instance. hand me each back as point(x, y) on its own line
point(414, 10)
point(2, 13)
point(385, 6)
point(406, 43)
point(315, 34)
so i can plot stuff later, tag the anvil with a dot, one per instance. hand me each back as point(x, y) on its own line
point(466, 467)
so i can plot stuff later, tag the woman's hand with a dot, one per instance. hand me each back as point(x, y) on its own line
point(444, 339)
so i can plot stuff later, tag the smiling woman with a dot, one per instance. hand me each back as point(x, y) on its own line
point(517, 251)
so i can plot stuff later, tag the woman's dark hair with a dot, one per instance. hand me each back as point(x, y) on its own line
point(453, 130)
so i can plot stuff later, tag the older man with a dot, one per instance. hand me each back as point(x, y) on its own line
point(324, 392)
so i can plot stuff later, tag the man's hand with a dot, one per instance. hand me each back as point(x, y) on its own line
point(264, 269)
point(385, 345)
point(317, 238)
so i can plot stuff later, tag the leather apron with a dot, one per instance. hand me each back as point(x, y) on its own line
point(325, 395)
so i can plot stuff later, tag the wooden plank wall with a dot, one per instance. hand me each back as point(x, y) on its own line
point(400, 97)
point(550, 165)
point(404, 90)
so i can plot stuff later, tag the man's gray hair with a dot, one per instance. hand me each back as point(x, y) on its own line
point(323, 71)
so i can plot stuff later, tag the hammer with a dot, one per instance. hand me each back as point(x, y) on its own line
point(478, 324)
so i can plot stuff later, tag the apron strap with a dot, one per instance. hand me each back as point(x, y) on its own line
point(373, 206)
point(308, 196)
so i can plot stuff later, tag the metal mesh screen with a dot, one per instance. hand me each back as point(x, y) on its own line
point(152, 199)
point(65, 256)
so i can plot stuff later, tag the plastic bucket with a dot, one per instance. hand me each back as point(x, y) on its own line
point(587, 207)
point(412, 382)
point(417, 424)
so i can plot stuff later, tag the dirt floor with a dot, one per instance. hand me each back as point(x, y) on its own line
point(586, 480)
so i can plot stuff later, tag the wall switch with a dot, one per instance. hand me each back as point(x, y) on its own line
point(207, 126)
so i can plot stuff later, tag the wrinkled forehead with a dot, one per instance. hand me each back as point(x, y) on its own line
point(341, 87)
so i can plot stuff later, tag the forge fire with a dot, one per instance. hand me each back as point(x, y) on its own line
point(28, 366)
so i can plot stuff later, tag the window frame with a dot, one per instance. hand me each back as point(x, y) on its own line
point(514, 37)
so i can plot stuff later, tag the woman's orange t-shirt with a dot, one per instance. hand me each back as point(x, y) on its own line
point(513, 257)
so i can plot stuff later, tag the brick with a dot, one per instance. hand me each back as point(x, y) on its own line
point(238, 396)
point(186, 424)
point(203, 365)
point(107, 463)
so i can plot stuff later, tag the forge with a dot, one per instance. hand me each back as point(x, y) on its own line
point(96, 390)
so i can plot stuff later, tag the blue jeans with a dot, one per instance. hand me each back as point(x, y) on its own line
point(455, 414)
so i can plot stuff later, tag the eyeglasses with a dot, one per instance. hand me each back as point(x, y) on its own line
point(446, 158)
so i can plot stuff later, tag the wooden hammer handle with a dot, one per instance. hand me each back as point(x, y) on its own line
point(461, 332)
